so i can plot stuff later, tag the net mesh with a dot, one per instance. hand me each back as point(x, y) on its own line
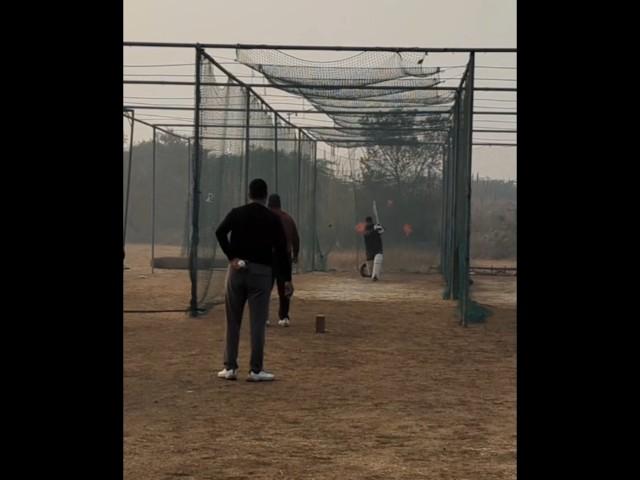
point(243, 140)
point(364, 68)
point(456, 210)
point(156, 175)
point(306, 199)
point(287, 167)
point(384, 83)
point(157, 206)
point(220, 179)
point(396, 140)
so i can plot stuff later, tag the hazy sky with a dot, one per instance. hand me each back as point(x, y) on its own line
point(402, 23)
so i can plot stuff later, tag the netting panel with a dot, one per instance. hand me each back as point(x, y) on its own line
point(364, 68)
point(221, 181)
point(424, 132)
point(399, 82)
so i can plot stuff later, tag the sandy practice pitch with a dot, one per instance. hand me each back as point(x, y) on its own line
point(394, 390)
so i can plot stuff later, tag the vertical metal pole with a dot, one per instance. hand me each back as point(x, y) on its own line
point(276, 151)
point(454, 196)
point(247, 147)
point(443, 205)
point(315, 178)
point(153, 202)
point(299, 152)
point(449, 212)
point(195, 210)
point(187, 217)
point(126, 202)
point(454, 202)
point(298, 199)
point(468, 177)
point(458, 203)
point(355, 211)
point(188, 172)
point(445, 209)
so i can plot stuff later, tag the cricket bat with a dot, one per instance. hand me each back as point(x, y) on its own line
point(378, 226)
point(375, 212)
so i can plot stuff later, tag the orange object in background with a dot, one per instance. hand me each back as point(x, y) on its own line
point(389, 203)
point(407, 229)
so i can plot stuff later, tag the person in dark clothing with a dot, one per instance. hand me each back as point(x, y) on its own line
point(257, 242)
point(293, 248)
point(373, 247)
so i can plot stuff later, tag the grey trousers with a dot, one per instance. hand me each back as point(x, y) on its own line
point(252, 285)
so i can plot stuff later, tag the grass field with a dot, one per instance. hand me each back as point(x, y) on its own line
point(395, 389)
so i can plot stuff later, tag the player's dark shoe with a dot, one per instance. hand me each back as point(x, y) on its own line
point(363, 270)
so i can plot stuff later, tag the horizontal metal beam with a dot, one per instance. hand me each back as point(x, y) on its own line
point(168, 132)
point(271, 139)
point(494, 130)
point(495, 144)
point(319, 87)
point(313, 112)
point(337, 48)
point(319, 140)
point(360, 142)
point(283, 87)
point(310, 127)
point(427, 129)
point(337, 112)
point(487, 112)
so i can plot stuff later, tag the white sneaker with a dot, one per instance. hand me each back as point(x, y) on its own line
point(268, 323)
point(228, 374)
point(260, 377)
point(284, 322)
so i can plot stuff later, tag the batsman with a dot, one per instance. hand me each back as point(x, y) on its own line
point(373, 246)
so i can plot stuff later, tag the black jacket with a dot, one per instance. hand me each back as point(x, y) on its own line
point(257, 236)
point(372, 242)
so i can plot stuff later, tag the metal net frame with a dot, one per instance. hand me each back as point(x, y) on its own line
point(379, 101)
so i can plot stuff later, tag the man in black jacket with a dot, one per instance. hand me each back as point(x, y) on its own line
point(373, 247)
point(256, 236)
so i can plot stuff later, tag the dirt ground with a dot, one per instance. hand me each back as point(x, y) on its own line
point(395, 389)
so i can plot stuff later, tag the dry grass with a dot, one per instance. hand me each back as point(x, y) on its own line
point(394, 390)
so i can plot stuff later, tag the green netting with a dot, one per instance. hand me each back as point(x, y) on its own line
point(236, 148)
point(157, 206)
point(408, 203)
point(155, 173)
point(387, 83)
point(171, 196)
point(365, 68)
point(306, 200)
point(261, 161)
point(397, 138)
point(287, 165)
point(337, 238)
point(456, 209)
point(221, 180)
point(411, 155)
